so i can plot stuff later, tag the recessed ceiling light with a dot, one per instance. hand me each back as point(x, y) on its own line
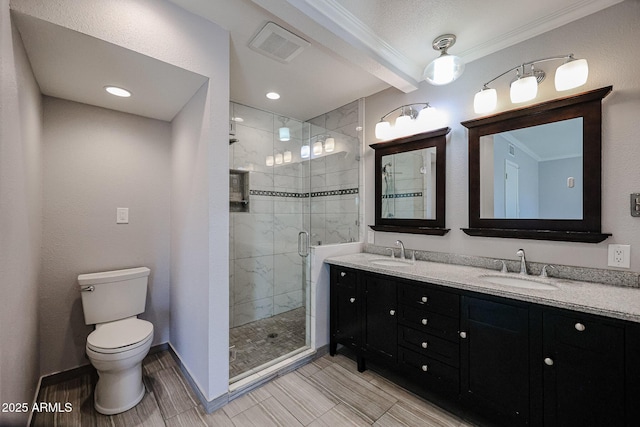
point(273, 95)
point(117, 91)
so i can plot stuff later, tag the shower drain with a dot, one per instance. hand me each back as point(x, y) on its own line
point(272, 335)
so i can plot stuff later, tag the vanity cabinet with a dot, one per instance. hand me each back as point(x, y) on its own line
point(497, 360)
point(345, 309)
point(584, 370)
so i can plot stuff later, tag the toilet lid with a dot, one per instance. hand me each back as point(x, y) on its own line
point(121, 333)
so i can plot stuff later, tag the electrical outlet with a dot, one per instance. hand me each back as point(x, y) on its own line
point(122, 215)
point(620, 256)
point(371, 239)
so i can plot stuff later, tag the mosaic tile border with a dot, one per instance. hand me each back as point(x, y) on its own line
point(401, 195)
point(269, 193)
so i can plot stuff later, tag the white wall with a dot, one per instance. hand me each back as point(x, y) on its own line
point(163, 31)
point(96, 160)
point(20, 220)
point(605, 40)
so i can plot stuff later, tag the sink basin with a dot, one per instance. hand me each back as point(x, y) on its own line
point(389, 262)
point(519, 282)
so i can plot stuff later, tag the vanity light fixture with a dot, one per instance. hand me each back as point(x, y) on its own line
point(445, 68)
point(283, 132)
point(411, 121)
point(329, 145)
point(118, 91)
point(305, 151)
point(571, 74)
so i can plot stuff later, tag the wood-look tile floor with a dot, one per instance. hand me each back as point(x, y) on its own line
point(327, 392)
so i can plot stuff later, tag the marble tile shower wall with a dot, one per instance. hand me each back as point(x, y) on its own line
point(265, 268)
point(266, 276)
point(335, 178)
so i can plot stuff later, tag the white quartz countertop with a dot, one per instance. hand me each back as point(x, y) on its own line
point(605, 300)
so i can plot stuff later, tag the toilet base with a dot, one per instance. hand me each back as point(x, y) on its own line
point(119, 391)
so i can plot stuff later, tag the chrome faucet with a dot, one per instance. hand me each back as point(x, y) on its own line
point(399, 243)
point(523, 262)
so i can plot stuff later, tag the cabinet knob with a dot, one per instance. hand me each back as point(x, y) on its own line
point(352, 300)
point(548, 361)
point(463, 334)
point(342, 274)
point(425, 321)
point(392, 312)
point(424, 299)
point(425, 344)
point(580, 327)
point(425, 368)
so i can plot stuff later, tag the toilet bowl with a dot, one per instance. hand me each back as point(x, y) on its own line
point(111, 301)
point(116, 350)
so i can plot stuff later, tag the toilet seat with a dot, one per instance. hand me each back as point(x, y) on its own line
point(120, 336)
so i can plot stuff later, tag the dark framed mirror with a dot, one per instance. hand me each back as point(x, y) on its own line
point(535, 172)
point(410, 184)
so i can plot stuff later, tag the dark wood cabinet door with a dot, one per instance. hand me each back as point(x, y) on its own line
point(495, 360)
point(584, 371)
point(345, 320)
point(380, 324)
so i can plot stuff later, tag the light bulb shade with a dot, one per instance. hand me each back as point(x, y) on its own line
point(287, 156)
point(329, 145)
point(444, 69)
point(485, 101)
point(317, 148)
point(383, 130)
point(428, 119)
point(572, 74)
point(279, 159)
point(524, 89)
point(403, 125)
point(269, 161)
point(305, 151)
point(284, 134)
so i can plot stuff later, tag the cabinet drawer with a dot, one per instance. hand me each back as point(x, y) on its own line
point(430, 345)
point(344, 276)
point(433, 323)
point(428, 372)
point(584, 332)
point(427, 298)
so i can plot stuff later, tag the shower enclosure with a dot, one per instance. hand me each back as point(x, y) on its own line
point(292, 184)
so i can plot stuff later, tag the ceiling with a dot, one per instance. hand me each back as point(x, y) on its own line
point(357, 48)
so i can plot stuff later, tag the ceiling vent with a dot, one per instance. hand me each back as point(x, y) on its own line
point(277, 43)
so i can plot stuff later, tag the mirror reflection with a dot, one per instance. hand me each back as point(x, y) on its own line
point(533, 173)
point(409, 184)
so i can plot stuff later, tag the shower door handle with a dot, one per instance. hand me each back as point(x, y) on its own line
point(303, 244)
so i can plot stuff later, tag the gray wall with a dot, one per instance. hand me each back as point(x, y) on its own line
point(20, 221)
point(598, 39)
point(96, 160)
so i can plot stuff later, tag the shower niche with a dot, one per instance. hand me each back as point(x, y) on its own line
point(238, 190)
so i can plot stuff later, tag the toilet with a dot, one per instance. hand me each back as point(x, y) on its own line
point(111, 301)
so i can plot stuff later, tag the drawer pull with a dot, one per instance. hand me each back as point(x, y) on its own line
point(425, 368)
point(342, 274)
point(580, 327)
point(352, 300)
point(548, 361)
point(425, 321)
point(463, 334)
point(425, 344)
point(425, 299)
point(392, 312)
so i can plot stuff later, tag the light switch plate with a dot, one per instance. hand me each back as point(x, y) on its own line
point(371, 239)
point(620, 256)
point(122, 215)
point(635, 204)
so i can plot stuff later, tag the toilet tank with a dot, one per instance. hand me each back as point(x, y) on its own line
point(113, 295)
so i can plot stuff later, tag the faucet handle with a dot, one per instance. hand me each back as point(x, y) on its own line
point(504, 265)
point(543, 273)
point(393, 255)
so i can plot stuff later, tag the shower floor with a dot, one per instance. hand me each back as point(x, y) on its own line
point(259, 342)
